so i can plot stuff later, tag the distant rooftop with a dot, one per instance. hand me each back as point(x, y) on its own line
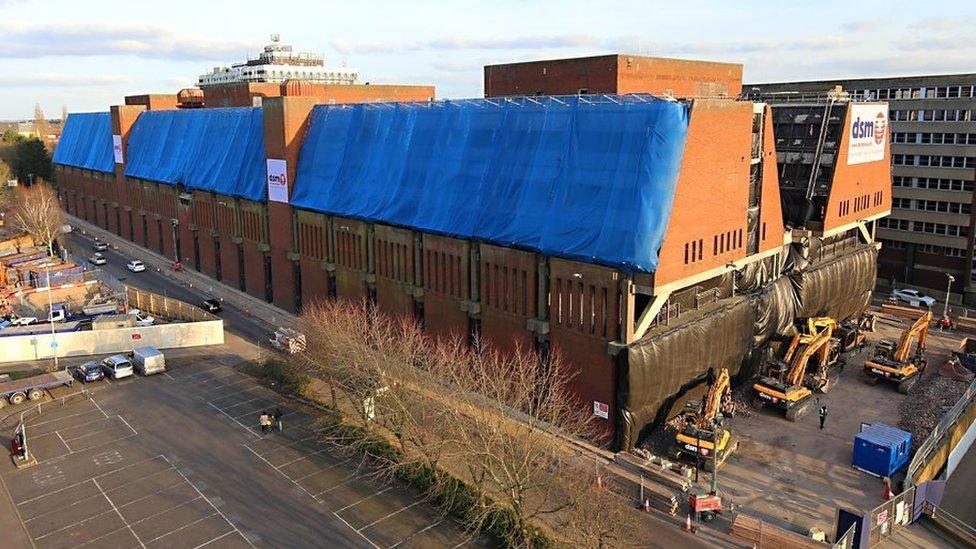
point(277, 63)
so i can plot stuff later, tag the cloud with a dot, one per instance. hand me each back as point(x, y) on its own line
point(180, 81)
point(42, 80)
point(943, 24)
point(456, 66)
point(865, 25)
point(32, 40)
point(341, 45)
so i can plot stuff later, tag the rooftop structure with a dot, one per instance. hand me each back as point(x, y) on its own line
point(276, 64)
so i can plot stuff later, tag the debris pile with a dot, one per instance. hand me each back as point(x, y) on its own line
point(929, 400)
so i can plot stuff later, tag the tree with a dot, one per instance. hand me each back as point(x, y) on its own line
point(32, 161)
point(10, 136)
point(40, 124)
point(64, 114)
point(37, 212)
point(6, 196)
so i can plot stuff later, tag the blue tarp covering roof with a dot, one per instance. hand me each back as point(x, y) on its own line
point(215, 150)
point(590, 179)
point(86, 142)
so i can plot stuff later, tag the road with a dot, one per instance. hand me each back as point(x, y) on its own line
point(235, 321)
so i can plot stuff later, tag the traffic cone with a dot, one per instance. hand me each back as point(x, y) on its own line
point(687, 527)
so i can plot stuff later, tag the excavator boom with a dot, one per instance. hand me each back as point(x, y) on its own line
point(712, 402)
point(798, 365)
point(919, 329)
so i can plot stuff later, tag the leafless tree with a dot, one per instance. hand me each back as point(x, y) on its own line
point(498, 421)
point(38, 213)
point(64, 114)
point(40, 123)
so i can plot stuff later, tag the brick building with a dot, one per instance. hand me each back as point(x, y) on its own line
point(614, 74)
point(558, 223)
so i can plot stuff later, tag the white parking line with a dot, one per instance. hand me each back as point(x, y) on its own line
point(61, 509)
point(417, 533)
point(36, 425)
point(185, 526)
point(171, 378)
point(62, 441)
point(212, 505)
point(249, 430)
point(97, 406)
point(322, 470)
point(400, 510)
point(343, 483)
point(213, 540)
point(371, 496)
point(87, 434)
point(140, 462)
point(235, 405)
point(134, 432)
point(296, 460)
point(125, 522)
point(34, 428)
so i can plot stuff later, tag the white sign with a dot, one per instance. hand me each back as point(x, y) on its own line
point(117, 148)
point(868, 133)
point(277, 180)
point(601, 410)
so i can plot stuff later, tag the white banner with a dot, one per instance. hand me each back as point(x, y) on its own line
point(868, 134)
point(117, 148)
point(601, 410)
point(277, 180)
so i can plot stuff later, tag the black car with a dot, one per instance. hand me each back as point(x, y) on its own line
point(211, 305)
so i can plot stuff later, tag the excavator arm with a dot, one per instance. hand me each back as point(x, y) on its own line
point(919, 329)
point(798, 366)
point(712, 402)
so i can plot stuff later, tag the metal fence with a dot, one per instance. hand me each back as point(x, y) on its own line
point(948, 421)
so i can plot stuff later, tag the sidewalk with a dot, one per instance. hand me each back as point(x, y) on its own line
point(246, 303)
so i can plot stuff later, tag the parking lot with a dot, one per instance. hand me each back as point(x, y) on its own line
point(178, 460)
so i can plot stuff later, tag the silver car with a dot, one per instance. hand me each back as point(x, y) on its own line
point(117, 367)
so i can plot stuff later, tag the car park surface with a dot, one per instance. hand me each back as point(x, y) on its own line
point(177, 460)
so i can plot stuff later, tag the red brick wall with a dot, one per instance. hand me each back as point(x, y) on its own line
point(614, 74)
point(395, 268)
point(229, 264)
point(254, 270)
point(713, 185)
point(315, 282)
point(153, 101)
point(350, 258)
point(243, 94)
point(446, 263)
point(584, 306)
point(509, 286)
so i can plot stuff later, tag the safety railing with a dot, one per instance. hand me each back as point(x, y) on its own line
point(948, 421)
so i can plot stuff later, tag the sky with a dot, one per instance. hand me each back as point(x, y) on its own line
point(89, 54)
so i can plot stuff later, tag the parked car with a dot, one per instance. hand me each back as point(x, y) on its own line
point(98, 259)
point(142, 319)
point(117, 367)
point(211, 305)
point(23, 320)
point(148, 361)
point(136, 266)
point(99, 246)
point(89, 371)
point(913, 297)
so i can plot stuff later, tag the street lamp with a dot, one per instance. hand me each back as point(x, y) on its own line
point(945, 310)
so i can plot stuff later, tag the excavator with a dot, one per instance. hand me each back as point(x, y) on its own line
point(847, 335)
point(700, 436)
point(784, 384)
point(895, 362)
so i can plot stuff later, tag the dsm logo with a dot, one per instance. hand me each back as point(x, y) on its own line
point(870, 129)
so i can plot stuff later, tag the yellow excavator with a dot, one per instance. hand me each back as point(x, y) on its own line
point(895, 362)
point(701, 437)
point(847, 335)
point(783, 384)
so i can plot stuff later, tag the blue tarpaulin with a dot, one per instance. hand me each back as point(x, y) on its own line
point(86, 142)
point(590, 179)
point(214, 150)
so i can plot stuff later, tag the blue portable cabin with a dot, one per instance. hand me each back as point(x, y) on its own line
point(880, 449)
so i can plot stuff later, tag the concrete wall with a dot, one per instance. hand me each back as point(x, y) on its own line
point(103, 342)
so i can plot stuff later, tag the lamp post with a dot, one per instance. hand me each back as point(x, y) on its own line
point(945, 310)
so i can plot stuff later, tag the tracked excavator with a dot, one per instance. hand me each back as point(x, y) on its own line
point(784, 383)
point(700, 436)
point(896, 362)
point(847, 335)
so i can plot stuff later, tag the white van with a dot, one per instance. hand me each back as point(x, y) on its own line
point(148, 361)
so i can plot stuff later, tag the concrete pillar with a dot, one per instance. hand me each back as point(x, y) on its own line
point(285, 123)
point(123, 118)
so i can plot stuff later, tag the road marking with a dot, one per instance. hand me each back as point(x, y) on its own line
point(60, 509)
point(171, 378)
point(99, 476)
point(219, 512)
point(249, 430)
point(93, 432)
point(61, 438)
point(417, 533)
point(357, 502)
point(345, 481)
point(36, 425)
point(97, 406)
point(400, 510)
point(213, 540)
point(185, 526)
point(134, 432)
point(296, 460)
point(324, 469)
